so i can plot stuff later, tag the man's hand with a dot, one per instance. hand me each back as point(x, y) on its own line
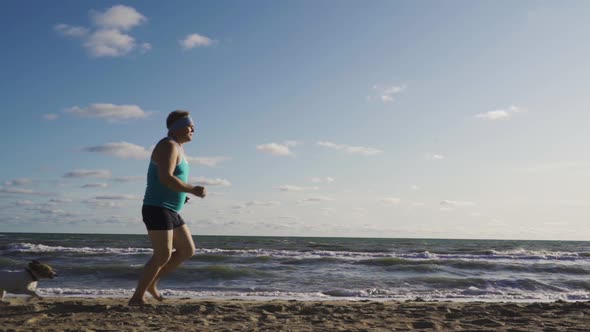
point(199, 191)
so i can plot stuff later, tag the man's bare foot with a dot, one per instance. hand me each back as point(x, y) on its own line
point(137, 302)
point(156, 294)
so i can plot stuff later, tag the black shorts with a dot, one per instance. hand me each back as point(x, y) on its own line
point(157, 218)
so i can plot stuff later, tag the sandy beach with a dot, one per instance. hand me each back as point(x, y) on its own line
point(112, 314)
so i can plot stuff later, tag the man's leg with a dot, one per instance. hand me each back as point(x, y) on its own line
point(185, 249)
point(162, 245)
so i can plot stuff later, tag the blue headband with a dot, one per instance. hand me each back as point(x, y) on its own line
point(181, 123)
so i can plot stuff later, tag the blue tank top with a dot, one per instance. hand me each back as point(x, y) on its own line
point(157, 194)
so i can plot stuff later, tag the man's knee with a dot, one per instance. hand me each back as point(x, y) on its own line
point(187, 253)
point(160, 258)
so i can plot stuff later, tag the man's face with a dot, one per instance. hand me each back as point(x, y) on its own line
point(186, 134)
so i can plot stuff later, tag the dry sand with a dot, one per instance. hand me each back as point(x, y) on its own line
point(112, 314)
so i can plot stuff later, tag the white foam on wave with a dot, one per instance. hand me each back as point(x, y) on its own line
point(519, 254)
point(470, 294)
point(29, 247)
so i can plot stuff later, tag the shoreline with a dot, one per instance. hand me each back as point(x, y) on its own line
point(187, 314)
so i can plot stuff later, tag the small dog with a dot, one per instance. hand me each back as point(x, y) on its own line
point(25, 282)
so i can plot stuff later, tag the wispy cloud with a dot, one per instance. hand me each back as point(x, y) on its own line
point(386, 93)
point(256, 203)
point(207, 161)
point(390, 200)
point(195, 40)
point(500, 113)
point(50, 116)
point(314, 199)
point(434, 156)
point(123, 150)
point(355, 150)
point(211, 182)
point(288, 187)
point(275, 149)
point(129, 178)
point(449, 203)
point(326, 179)
point(18, 182)
point(109, 112)
point(12, 190)
point(118, 197)
point(70, 30)
point(95, 185)
point(61, 200)
point(88, 173)
point(102, 203)
point(145, 47)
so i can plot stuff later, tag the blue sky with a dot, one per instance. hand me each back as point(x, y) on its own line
point(463, 119)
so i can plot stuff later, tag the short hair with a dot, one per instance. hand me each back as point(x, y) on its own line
point(175, 115)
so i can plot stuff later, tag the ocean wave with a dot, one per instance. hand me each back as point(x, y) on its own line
point(376, 258)
point(41, 248)
point(521, 284)
point(471, 293)
point(183, 273)
point(394, 263)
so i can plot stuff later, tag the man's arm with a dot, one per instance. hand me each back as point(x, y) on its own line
point(165, 156)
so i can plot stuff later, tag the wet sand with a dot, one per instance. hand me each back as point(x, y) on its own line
point(113, 314)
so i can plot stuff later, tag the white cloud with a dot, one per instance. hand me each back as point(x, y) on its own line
point(109, 112)
point(500, 113)
point(145, 47)
point(195, 40)
point(18, 182)
point(110, 42)
point(95, 185)
point(326, 179)
point(129, 178)
point(50, 116)
point(292, 143)
point(434, 156)
point(318, 199)
point(274, 149)
point(88, 173)
point(262, 203)
point(123, 150)
point(207, 161)
point(414, 187)
point(118, 17)
point(449, 203)
point(211, 182)
point(295, 188)
point(387, 94)
point(20, 191)
point(70, 30)
point(360, 150)
point(118, 197)
point(103, 203)
point(61, 200)
point(390, 200)
point(51, 211)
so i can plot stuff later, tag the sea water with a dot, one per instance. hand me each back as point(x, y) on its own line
point(309, 268)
